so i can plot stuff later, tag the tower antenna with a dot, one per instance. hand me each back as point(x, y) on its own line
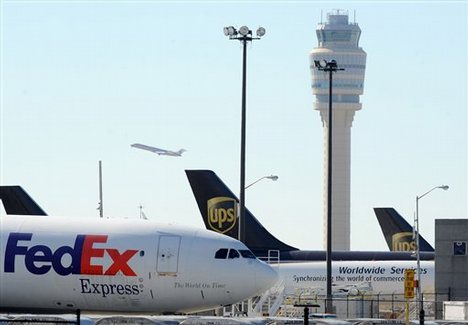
point(321, 16)
point(101, 204)
point(354, 16)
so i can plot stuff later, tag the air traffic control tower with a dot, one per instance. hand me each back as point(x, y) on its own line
point(338, 39)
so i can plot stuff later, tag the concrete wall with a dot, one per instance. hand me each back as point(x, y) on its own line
point(451, 271)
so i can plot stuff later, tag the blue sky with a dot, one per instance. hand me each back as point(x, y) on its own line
point(82, 80)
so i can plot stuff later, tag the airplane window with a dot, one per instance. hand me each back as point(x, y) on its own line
point(221, 253)
point(233, 253)
point(246, 253)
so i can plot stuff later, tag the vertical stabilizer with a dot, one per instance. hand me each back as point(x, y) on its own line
point(218, 207)
point(398, 232)
point(17, 201)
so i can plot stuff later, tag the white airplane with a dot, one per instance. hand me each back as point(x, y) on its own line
point(60, 265)
point(382, 271)
point(353, 277)
point(159, 151)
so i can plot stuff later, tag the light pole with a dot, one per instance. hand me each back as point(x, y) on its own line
point(101, 204)
point(244, 35)
point(418, 257)
point(329, 66)
point(272, 177)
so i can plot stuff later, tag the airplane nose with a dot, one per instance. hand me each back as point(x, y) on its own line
point(265, 277)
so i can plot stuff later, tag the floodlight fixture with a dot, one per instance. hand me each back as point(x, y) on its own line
point(261, 31)
point(230, 31)
point(244, 31)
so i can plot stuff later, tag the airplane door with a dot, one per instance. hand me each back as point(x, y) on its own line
point(168, 255)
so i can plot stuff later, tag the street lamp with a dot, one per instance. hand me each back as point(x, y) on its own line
point(244, 35)
point(272, 177)
point(329, 66)
point(418, 257)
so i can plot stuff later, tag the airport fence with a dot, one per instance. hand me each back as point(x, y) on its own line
point(388, 306)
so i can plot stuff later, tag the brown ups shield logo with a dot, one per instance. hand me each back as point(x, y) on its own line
point(403, 241)
point(222, 214)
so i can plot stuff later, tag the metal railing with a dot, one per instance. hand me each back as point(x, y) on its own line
point(388, 306)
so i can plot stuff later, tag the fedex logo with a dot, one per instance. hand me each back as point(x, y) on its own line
point(39, 259)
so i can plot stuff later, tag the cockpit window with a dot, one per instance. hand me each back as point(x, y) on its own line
point(221, 253)
point(246, 253)
point(233, 253)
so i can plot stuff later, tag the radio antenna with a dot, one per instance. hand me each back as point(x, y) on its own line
point(101, 207)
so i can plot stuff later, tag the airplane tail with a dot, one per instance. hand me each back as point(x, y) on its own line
point(398, 232)
point(17, 201)
point(218, 207)
point(181, 151)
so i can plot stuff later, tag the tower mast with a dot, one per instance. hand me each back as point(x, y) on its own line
point(338, 39)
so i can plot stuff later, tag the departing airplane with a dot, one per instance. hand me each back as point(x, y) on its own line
point(354, 272)
point(398, 232)
point(60, 265)
point(218, 207)
point(159, 151)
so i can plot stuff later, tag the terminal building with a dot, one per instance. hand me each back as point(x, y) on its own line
point(451, 261)
point(338, 39)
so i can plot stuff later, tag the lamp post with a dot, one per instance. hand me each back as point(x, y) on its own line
point(330, 67)
point(272, 177)
point(418, 255)
point(244, 35)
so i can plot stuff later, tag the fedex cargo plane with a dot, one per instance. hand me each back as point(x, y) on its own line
point(59, 265)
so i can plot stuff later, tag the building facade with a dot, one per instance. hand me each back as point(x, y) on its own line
point(451, 260)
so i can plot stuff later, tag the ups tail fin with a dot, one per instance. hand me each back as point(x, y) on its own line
point(398, 232)
point(218, 207)
point(17, 201)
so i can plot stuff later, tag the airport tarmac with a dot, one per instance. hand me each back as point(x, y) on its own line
point(31, 319)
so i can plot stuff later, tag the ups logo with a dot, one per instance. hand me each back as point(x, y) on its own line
point(222, 213)
point(403, 241)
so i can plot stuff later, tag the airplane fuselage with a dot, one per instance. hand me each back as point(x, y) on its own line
point(353, 277)
point(55, 264)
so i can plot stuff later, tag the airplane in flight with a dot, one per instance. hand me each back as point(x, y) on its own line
point(398, 232)
point(60, 265)
point(378, 272)
point(158, 150)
